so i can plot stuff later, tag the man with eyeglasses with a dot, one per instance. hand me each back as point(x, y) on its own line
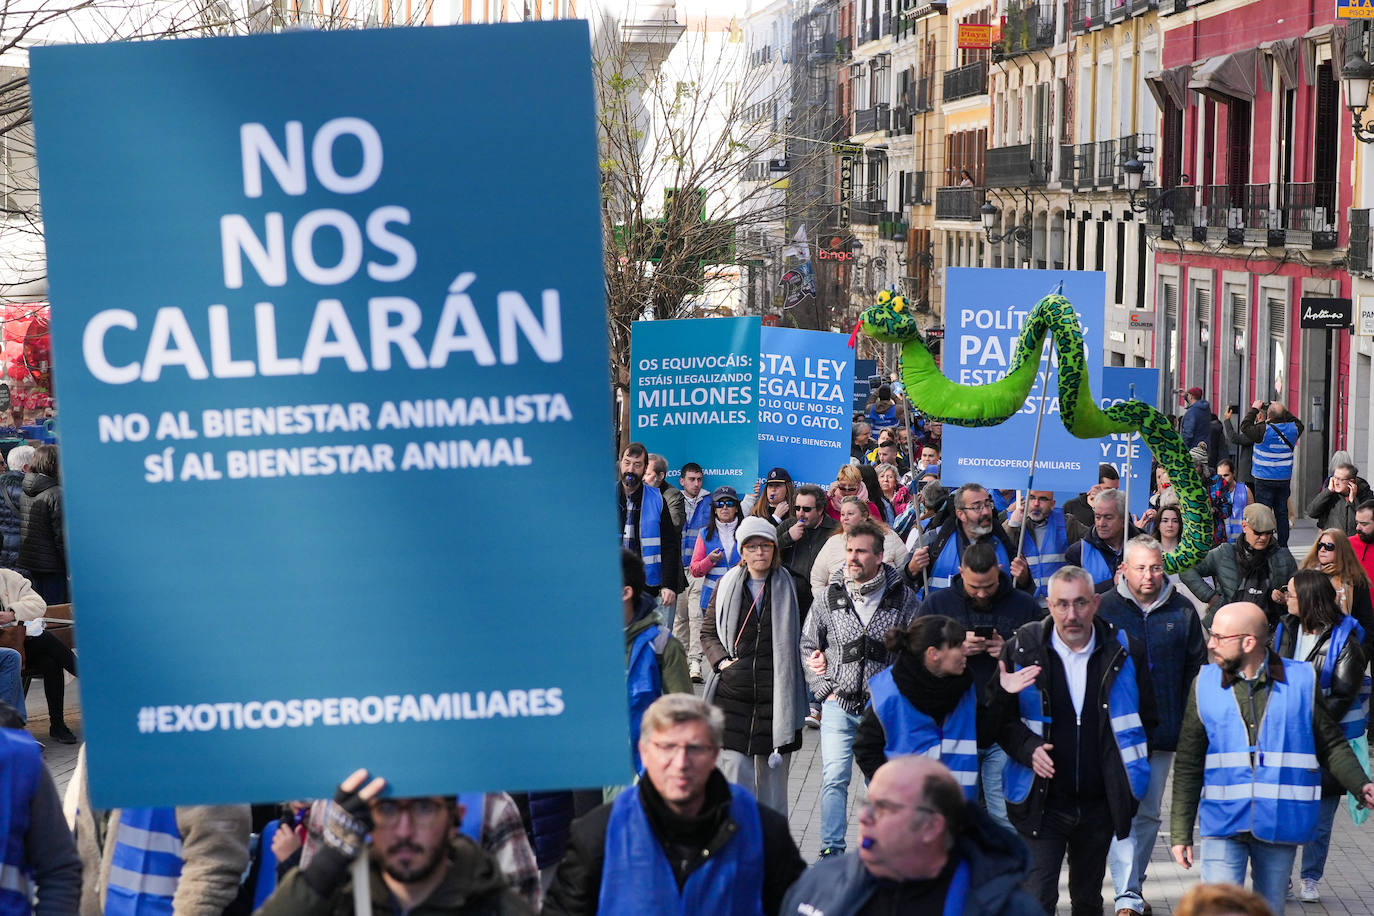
point(1077, 739)
point(418, 862)
point(1252, 568)
point(801, 536)
point(922, 849)
point(1362, 541)
point(1146, 606)
point(934, 562)
point(684, 839)
point(1254, 732)
point(1335, 506)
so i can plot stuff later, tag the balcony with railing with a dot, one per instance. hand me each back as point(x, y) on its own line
point(1022, 166)
point(1029, 26)
point(959, 203)
point(1067, 164)
point(868, 120)
point(1085, 165)
point(900, 122)
point(1141, 148)
point(867, 212)
point(966, 81)
point(1078, 16)
point(1310, 207)
point(925, 94)
point(1358, 253)
point(1106, 164)
point(918, 191)
point(892, 226)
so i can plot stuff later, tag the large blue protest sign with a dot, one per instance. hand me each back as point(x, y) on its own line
point(805, 381)
point(985, 309)
point(864, 369)
point(313, 355)
point(1117, 387)
point(694, 395)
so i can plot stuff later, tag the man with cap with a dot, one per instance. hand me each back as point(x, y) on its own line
point(775, 503)
point(1197, 419)
point(1254, 731)
point(717, 551)
point(1251, 568)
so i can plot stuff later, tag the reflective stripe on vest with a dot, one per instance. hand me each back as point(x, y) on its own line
point(1123, 708)
point(644, 683)
point(637, 878)
point(650, 543)
point(1233, 520)
point(474, 813)
point(1271, 789)
point(692, 530)
point(713, 575)
point(910, 731)
point(146, 864)
point(946, 565)
point(1045, 559)
point(1272, 458)
point(23, 766)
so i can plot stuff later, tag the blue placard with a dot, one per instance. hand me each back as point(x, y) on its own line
point(984, 311)
point(694, 396)
point(313, 351)
point(864, 369)
point(1116, 387)
point(805, 378)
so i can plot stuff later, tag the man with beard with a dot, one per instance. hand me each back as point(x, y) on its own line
point(1362, 541)
point(801, 536)
point(1254, 731)
point(1100, 550)
point(1251, 568)
point(1146, 606)
point(647, 526)
point(419, 863)
point(843, 644)
point(1049, 534)
point(935, 561)
point(983, 602)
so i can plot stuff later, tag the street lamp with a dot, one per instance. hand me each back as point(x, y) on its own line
point(989, 212)
point(1357, 75)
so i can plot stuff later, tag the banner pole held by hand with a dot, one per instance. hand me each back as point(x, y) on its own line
point(362, 890)
point(1130, 449)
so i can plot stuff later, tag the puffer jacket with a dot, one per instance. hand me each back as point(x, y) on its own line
point(11, 527)
point(1346, 679)
point(41, 548)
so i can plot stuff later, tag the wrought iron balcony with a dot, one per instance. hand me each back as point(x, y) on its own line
point(867, 212)
point(968, 80)
point(1085, 165)
point(1106, 164)
point(868, 120)
point(959, 203)
point(1029, 27)
point(1358, 254)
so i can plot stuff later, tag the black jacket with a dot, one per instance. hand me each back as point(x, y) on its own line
point(576, 887)
point(1009, 610)
point(800, 556)
point(41, 548)
point(1031, 646)
point(1346, 678)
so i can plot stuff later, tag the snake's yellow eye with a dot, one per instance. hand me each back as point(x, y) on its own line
point(883, 297)
point(898, 305)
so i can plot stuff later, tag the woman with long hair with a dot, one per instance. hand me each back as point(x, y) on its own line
point(1331, 554)
point(831, 555)
point(1168, 529)
point(1318, 632)
point(874, 487)
point(751, 638)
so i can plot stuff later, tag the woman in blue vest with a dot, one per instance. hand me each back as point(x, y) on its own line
point(1318, 632)
point(716, 550)
point(926, 703)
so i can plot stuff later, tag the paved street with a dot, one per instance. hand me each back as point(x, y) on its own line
point(1348, 887)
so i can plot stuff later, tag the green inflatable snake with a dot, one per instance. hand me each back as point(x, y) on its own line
point(890, 321)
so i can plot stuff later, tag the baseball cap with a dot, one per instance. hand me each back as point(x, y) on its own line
point(778, 474)
point(1195, 392)
point(1260, 518)
point(720, 493)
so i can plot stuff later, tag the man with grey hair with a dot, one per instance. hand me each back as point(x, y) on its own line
point(1335, 505)
point(682, 834)
point(1076, 739)
point(11, 492)
point(1146, 606)
point(1100, 551)
point(935, 561)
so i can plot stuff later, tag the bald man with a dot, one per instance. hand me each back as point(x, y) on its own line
point(1259, 805)
point(922, 848)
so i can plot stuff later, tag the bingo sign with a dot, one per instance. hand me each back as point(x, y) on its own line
point(984, 312)
point(1120, 449)
point(805, 380)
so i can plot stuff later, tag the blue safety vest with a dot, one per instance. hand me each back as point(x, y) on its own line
point(474, 812)
point(714, 575)
point(644, 681)
point(146, 864)
point(1356, 717)
point(882, 420)
point(910, 731)
point(692, 530)
point(1273, 788)
point(1238, 502)
point(637, 879)
point(650, 541)
point(23, 767)
point(1095, 563)
point(1273, 458)
point(1048, 557)
point(1123, 706)
point(946, 565)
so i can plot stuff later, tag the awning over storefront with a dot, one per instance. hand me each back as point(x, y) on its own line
point(1287, 54)
point(1170, 85)
point(1228, 77)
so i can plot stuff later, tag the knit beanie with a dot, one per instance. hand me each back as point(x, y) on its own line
point(755, 527)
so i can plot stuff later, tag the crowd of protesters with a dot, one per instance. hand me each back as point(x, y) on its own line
point(1015, 679)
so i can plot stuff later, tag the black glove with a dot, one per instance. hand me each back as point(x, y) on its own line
point(347, 822)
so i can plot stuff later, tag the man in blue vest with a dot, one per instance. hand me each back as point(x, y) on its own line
point(922, 849)
point(1076, 738)
point(1254, 732)
point(934, 563)
point(1275, 432)
point(39, 855)
point(683, 840)
point(1049, 534)
point(647, 527)
point(1229, 497)
point(1146, 606)
point(655, 662)
point(1100, 550)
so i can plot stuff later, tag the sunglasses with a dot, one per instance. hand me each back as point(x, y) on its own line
point(1326, 545)
point(726, 504)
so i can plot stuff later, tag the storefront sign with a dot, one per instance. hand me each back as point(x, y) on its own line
point(976, 37)
point(1325, 313)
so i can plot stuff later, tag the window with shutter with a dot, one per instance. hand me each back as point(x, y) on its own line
point(1239, 313)
point(1203, 306)
point(1171, 302)
point(1278, 318)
